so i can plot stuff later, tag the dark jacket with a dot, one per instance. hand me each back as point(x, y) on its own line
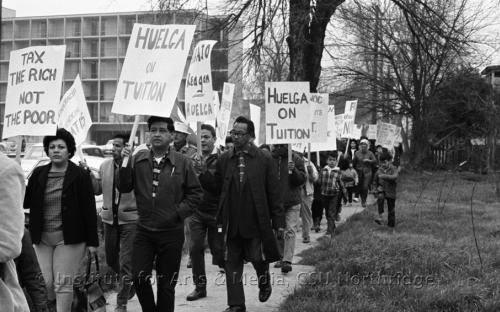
point(386, 180)
point(262, 179)
point(179, 191)
point(30, 276)
point(79, 216)
point(208, 206)
point(290, 184)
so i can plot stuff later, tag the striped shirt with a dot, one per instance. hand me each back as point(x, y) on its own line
point(52, 202)
point(330, 181)
point(157, 167)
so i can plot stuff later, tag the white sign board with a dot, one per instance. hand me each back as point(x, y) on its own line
point(255, 117)
point(33, 91)
point(349, 116)
point(288, 116)
point(339, 121)
point(319, 117)
point(386, 134)
point(74, 113)
point(331, 142)
point(199, 91)
point(224, 115)
point(152, 70)
point(372, 132)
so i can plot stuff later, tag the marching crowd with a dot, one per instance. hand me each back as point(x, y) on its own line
point(245, 201)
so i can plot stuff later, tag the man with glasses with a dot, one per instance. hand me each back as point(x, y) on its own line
point(167, 191)
point(249, 209)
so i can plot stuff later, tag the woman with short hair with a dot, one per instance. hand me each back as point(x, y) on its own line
point(63, 220)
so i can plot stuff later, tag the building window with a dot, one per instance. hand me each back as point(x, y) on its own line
point(497, 74)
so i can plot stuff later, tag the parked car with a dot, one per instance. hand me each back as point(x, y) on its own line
point(108, 148)
point(35, 156)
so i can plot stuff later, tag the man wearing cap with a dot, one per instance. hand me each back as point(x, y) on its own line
point(181, 145)
point(363, 163)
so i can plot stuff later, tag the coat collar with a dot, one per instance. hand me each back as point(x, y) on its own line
point(148, 155)
point(250, 150)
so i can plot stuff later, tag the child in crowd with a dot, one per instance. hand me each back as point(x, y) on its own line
point(349, 177)
point(385, 180)
point(331, 188)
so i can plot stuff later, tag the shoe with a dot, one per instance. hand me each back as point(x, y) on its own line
point(363, 204)
point(189, 265)
point(317, 229)
point(287, 267)
point(197, 294)
point(278, 264)
point(121, 308)
point(236, 308)
point(221, 270)
point(378, 219)
point(265, 293)
point(355, 199)
point(306, 240)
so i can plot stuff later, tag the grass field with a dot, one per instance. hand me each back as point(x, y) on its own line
point(430, 262)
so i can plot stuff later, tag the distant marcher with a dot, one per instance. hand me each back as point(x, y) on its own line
point(386, 181)
point(349, 177)
point(331, 189)
point(119, 215)
point(12, 298)
point(317, 206)
point(229, 144)
point(249, 210)
point(203, 224)
point(166, 191)
point(291, 176)
point(363, 162)
point(307, 194)
point(63, 217)
point(265, 147)
point(30, 276)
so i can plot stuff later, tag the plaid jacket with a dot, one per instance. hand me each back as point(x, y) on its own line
point(329, 181)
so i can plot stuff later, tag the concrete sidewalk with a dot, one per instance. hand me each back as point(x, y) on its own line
point(216, 300)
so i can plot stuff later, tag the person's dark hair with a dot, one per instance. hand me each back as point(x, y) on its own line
point(265, 146)
point(123, 136)
point(386, 155)
point(332, 155)
point(249, 123)
point(64, 135)
point(169, 121)
point(229, 139)
point(209, 128)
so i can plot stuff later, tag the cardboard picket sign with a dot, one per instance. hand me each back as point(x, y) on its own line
point(74, 113)
point(33, 91)
point(339, 121)
point(224, 115)
point(255, 117)
point(319, 117)
point(199, 92)
point(152, 71)
point(349, 116)
point(331, 142)
point(288, 115)
point(372, 132)
point(386, 134)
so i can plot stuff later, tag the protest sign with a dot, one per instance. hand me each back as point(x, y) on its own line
point(339, 121)
point(331, 142)
point(74, 113)
point(198, 92)
point(357, 131)
point(349, 116)
point(255, 117)
point(319, 117)
point(372, 132)
point(33, 91)
point(288, 116)
point(397, 136)
point(152, 70)
point(386, 134)
point(224, 115)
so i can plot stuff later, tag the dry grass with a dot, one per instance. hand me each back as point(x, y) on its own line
point(429, 263)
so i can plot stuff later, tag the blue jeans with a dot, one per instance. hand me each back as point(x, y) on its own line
point(118, 245)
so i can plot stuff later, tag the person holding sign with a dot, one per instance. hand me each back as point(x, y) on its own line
point(63, 217)
point(249, 208)
point(167, 191)
point(202, 223)
point(292, 176)
point(363, 162)
point(386, 182)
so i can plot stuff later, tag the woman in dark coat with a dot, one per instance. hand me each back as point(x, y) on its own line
point(63, 215)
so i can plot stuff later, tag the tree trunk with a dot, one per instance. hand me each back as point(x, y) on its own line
point(420, 145)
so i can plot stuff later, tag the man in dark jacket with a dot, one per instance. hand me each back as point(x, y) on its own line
point(249, 209)
point(291, 176)
point(167, 191)
point(202, 223)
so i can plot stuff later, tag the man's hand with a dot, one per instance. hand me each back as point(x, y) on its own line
point(126, 151)
point(280, 233)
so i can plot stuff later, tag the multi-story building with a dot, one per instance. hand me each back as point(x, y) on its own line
point(96, 46)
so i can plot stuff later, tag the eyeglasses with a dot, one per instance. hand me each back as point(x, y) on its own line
point(237, 134)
